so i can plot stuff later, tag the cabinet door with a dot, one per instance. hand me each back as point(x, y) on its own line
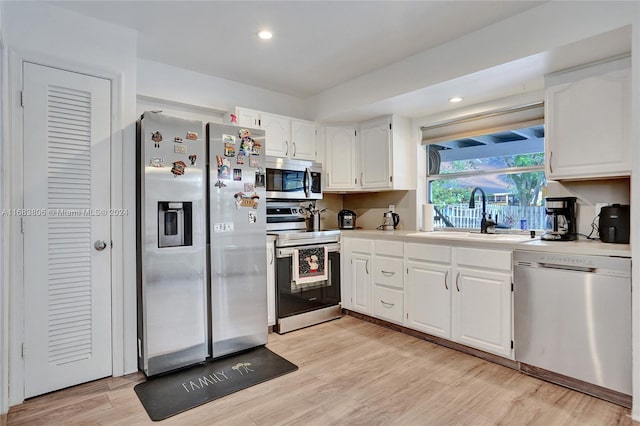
point(361, 280)
point(375, 154)
point(482, 310)
point(428, 298)
point(303, 140)
point(588, 127)
point(271, 283)
point(340, 162)
point(248, 118)
point(276, 135)
point(388, 304)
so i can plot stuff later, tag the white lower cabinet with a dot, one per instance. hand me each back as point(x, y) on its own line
point(481, 313)
point(388, 281)
point(358, 277)
point(428, 288)
point(388, 303)
point(457, 293)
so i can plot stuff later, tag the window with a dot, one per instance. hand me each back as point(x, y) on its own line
point(502, 154)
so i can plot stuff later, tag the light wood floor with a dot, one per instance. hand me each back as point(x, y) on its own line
point(350, 372)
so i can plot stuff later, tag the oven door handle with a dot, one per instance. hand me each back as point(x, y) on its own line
point(288, 251)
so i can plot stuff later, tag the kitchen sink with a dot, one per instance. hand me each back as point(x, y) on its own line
point(474, 236)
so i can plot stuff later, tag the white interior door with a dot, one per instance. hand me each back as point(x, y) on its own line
point(67, 272)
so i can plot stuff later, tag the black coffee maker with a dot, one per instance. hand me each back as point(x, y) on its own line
point(561, 219)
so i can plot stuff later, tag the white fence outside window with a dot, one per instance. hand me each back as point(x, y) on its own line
point(461, 216)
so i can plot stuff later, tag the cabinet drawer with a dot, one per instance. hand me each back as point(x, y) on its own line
point(389, 248)
point(486, 259)
point(361, 245)
point(388, 304)
point(428, 252)
point(388, 271)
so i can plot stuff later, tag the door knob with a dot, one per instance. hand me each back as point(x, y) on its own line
point(100, 245)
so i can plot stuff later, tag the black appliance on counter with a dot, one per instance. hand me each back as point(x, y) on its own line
point(561, 219)
point(614, 224)
point(347, 219)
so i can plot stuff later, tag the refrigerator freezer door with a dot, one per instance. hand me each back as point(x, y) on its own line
point(237, 239)
point(172, 323)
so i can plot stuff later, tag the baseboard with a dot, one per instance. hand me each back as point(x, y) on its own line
point(579, 385)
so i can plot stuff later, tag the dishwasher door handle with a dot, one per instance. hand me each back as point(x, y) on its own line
point(568, 267)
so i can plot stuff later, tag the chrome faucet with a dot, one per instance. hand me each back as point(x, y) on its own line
point(484, 222)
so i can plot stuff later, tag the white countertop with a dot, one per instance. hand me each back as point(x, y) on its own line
point(506, 241)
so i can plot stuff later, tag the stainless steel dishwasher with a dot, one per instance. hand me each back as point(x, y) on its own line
point(573, 316)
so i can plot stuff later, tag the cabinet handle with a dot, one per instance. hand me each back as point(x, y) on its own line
point(550, 164)
point(387, 303)
point(387, 273)
point(271, 253)
point(366, 266)
point(328, 179)
point(445, 280)
point(457, 286)
point(361, 178)
point(286, 151)
point(294, 149)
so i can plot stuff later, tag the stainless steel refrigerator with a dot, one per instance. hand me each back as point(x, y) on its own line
point(238, 238)
point(201, 236)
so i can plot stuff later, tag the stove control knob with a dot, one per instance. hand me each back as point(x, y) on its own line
point(294, 211)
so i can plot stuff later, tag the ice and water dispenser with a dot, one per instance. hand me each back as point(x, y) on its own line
point(175, 220)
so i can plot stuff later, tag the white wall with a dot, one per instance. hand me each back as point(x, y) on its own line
point(163, 81)
point(45, 34)
point(635, 209)
point(546, 27)
point(4, 290)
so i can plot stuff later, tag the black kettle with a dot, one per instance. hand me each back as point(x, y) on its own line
point(390, 221)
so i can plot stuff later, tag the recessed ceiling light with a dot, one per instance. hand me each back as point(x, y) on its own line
point(265, 35)
point(455, 99)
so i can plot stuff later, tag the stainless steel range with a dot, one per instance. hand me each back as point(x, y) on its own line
point(307, 268)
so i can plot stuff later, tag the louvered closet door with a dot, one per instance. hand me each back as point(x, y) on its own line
point(66, 199)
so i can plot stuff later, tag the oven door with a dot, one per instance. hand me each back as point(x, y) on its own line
point(292, 298)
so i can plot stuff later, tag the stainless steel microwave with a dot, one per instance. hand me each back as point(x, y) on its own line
point(293, 179)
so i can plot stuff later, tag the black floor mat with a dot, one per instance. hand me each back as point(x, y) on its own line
point(176, 392)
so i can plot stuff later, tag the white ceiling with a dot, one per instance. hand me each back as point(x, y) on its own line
point(316, 45)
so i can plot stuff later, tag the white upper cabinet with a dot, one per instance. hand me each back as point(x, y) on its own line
point(379, 157)
point(303, 139)
point(277, 134)
point(284, 136)
point(248, 118)
point(376, 156)
point(587, 119)
point(340, 158)
point(386, 160)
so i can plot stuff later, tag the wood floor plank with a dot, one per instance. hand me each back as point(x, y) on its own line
point(350, 372)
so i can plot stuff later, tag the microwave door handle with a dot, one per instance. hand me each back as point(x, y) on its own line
point(307, 182)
